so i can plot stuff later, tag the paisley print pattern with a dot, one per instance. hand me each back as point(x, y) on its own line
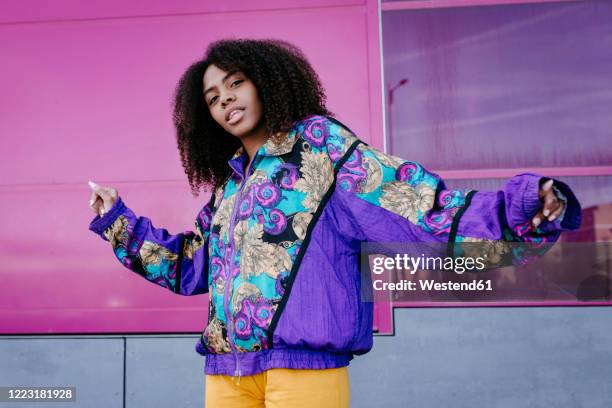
point(401, 187)
point(339, 140)
point(316, 131)
point(285, 175)
point(252, 314)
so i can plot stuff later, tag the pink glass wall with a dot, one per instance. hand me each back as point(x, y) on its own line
point(506, 86)
point(486, 89)
point(87, 92)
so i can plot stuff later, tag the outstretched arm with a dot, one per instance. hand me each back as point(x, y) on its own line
point(389, 199)
point(176, 262)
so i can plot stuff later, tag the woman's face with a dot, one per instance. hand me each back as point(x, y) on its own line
point(233, 101)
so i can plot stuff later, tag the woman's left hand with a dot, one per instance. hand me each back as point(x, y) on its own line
point(553, 206)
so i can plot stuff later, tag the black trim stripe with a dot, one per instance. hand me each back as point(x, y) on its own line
point(179, 266)
point(450, 249)
point(306, 241)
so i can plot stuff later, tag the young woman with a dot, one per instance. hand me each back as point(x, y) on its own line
point(295, 192)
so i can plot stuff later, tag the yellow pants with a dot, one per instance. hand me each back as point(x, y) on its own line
point(280, 388)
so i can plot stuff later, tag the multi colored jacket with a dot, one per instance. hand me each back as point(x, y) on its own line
point(277, 248)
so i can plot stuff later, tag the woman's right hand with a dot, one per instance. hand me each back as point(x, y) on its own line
point(102, 198)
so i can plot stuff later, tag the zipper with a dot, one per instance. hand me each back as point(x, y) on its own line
point(228, 284)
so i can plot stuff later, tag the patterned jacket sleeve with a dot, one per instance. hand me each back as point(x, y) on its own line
point(390, 199)
point(176, 262)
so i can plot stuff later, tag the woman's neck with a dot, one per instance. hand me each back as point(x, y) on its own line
point(252, 144)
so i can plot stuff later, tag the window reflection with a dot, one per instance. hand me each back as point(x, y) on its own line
point(523, 87)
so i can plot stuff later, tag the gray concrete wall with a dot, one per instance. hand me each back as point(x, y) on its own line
point(460, 357)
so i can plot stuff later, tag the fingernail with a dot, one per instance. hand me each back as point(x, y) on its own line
point(92, 184)
point(548, 184)
point(552, 218)
point(537, 221)
point(91, 202)
point(546, 212)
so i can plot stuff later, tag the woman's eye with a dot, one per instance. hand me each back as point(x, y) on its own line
point(237, 81)
point(212, 100)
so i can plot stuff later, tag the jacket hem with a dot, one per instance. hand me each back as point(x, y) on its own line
point(252, 363)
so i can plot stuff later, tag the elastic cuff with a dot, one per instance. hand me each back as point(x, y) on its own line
point(101, 224)
point(530, 201)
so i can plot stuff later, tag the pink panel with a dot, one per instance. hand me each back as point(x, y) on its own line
point(40, 10)
point(63, 279)
point(101, 90)
point(91, 100)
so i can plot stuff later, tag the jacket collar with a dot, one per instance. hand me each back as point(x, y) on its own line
point(269, 148)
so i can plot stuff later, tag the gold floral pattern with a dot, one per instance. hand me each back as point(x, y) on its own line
point(244, 291)
point(347, 138)
point(425, 197)
point(256, 177)
point(407, 201)
point(400, 198)
point(192, 245)
point(258, 256)
point(118, 232)
point(279, 144)
point(300, 224)
point(317, 175)
point(491, 250)
point(386, 159)
point(223, 215)
point(214, 336)
point(153, 254)
point(374, 175)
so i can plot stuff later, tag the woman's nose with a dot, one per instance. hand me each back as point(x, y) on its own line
point(228, 98)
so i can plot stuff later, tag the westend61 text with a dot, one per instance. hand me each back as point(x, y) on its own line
point(430, 284)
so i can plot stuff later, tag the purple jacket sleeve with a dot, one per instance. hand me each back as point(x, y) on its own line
point(176, 262)
point(389, 199)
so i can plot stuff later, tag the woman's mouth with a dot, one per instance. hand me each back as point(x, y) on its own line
point(235, 116)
